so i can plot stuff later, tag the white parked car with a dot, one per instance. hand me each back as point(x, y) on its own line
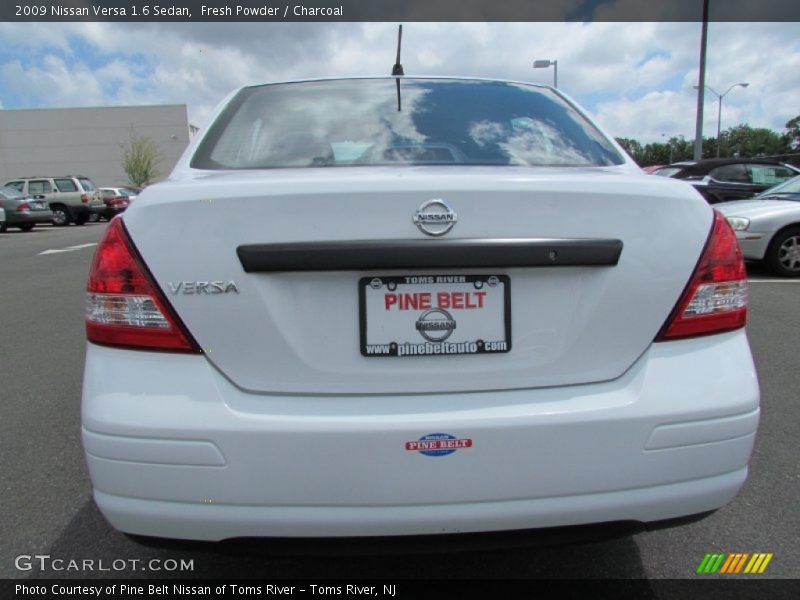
point(768, 227)
point(394, 306)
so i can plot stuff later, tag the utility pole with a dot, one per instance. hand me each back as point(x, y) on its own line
point(701, 86)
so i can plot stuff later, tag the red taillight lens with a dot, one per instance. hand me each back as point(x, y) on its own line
point(124, 306)
point(85, 198)
point(24, 207)
point(715, 300)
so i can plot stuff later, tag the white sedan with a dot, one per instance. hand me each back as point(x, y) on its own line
point(398, 306)
point(768, 227)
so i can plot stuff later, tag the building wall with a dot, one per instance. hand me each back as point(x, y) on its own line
point(86, 141)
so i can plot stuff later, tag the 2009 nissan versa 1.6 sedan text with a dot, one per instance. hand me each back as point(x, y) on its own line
point(395, 306)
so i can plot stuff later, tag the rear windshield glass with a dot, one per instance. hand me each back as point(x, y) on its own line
point(400, 121)
point(87, 184)
point(11, 193)
point(788, 187)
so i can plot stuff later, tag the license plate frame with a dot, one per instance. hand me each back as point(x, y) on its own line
point(414, 339)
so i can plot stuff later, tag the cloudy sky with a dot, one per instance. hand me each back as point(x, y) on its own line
point(635, 78)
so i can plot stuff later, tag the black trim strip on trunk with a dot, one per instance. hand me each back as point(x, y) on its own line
point(368, 255)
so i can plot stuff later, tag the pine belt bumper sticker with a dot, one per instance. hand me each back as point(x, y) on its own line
point(438, 444)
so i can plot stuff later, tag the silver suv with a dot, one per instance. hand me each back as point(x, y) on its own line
point(72, 198)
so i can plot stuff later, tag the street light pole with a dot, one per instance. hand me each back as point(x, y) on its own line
point(544, 64)
point(719, 107)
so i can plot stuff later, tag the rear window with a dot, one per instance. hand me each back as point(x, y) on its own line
point(400, 121)
point(86, 184)
point(17, 185)
point(791, 186)
point(11, 193)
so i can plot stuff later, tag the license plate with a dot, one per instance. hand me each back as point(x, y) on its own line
point(434, 315)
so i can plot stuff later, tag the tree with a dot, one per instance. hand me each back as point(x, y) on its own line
point(682, 149)
point(658, 153)
point(791, 137)
point(631, 146)
point(140, 158)
point(744, 140)
point(739, 141)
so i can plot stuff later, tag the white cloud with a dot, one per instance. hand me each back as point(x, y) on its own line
point(54, 81)
point(670, 113)
point(636, 77)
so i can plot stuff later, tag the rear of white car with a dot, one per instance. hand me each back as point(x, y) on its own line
point(391, 334)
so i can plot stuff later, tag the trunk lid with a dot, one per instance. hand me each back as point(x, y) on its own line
point(299, 331)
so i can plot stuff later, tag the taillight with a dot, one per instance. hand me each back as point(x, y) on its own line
point(124, 306)
point(24, 207)
point(715, 300)
point(85, 198)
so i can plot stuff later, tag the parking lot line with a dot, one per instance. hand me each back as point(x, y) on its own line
point(69, 248)
point(773, 280)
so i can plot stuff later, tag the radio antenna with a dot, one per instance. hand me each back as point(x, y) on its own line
point(397, 69)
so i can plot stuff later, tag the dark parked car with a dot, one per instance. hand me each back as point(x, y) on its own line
point(724, 179)
point(116, 200)
point(22, 211)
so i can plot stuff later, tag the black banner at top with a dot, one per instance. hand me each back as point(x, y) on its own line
point(397, 10)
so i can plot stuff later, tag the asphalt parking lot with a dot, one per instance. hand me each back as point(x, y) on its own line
point(47, 508)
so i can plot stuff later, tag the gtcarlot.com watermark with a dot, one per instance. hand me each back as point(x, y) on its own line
point(45, 562)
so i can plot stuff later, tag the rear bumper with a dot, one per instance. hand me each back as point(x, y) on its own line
point(37, 216)
point(109, 212)
point(175, 450)
point(170, 519)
